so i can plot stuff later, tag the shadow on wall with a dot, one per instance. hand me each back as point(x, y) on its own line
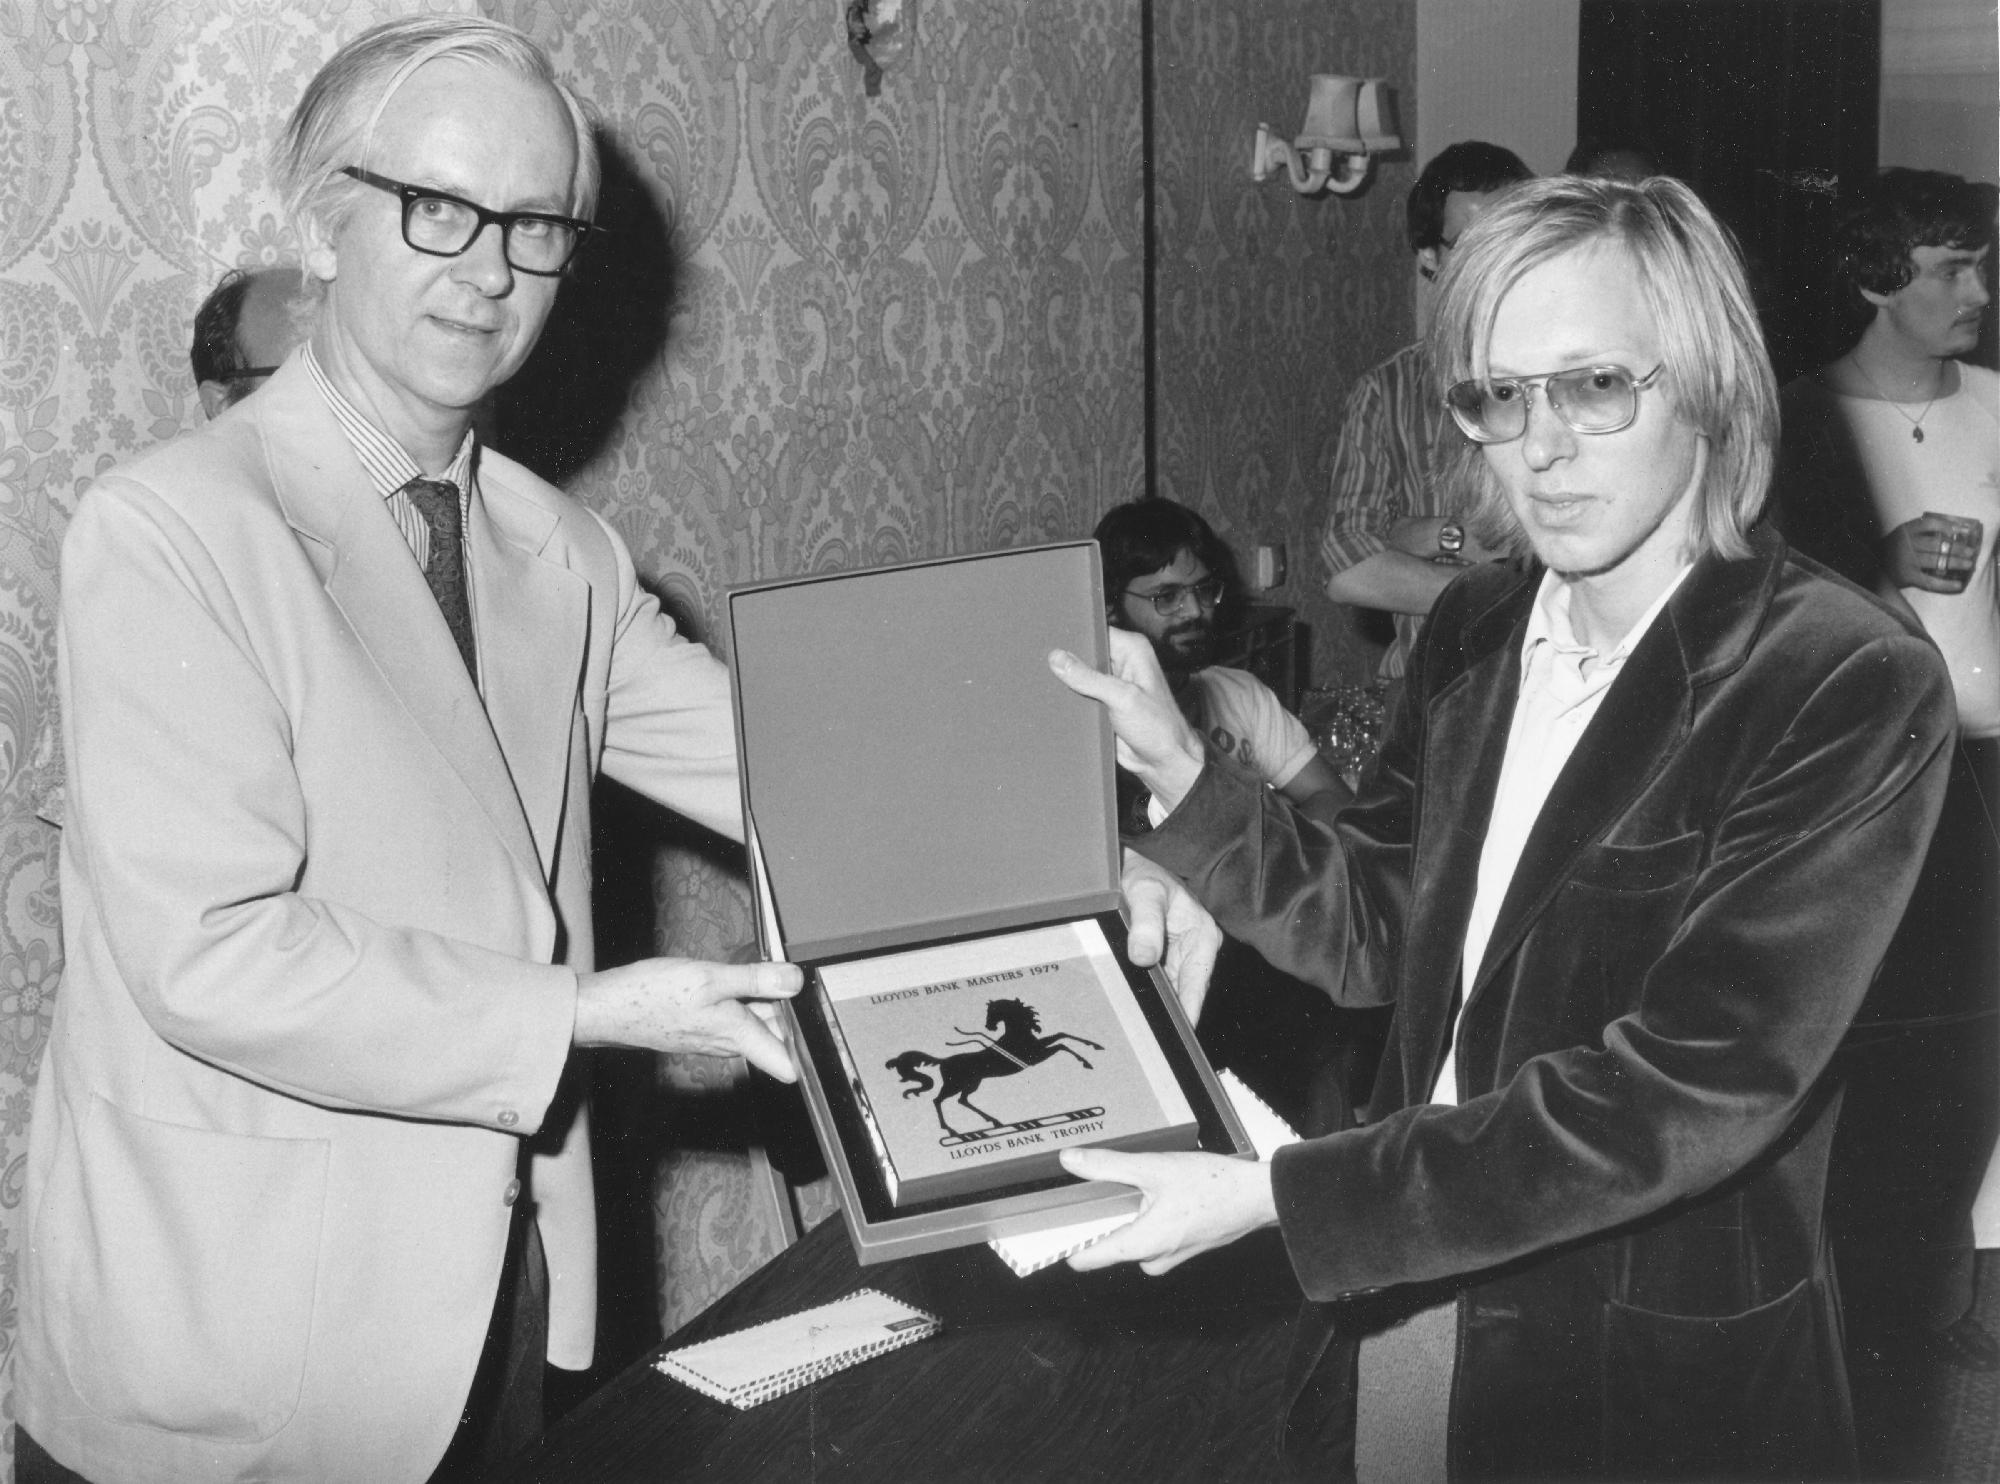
point(608, 330)
point(609, 326)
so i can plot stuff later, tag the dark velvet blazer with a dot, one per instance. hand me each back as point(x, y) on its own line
point(1626, 1199)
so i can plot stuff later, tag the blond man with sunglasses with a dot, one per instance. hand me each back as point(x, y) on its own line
point(1644, 821)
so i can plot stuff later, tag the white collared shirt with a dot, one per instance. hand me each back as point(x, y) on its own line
point(1558, 699)
point(389, 467)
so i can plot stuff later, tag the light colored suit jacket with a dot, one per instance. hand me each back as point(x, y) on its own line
point(323, 913)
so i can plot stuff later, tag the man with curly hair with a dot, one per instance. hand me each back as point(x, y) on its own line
point(1891, 476)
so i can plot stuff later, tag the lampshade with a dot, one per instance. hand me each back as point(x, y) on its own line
point(1332, 115)
point(1349, 120)
point(1376, 117)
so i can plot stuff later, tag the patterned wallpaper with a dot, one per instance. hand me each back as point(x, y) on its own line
point(825, 330)
point(903, 326)
point(892, 327)
point(1269, 305)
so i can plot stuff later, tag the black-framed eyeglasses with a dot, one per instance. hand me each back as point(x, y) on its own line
point(248, 373)
point(1167, 600)
point(1590, 399)
point(444, 226)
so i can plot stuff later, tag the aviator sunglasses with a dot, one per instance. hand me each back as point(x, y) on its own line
point(1590, 399)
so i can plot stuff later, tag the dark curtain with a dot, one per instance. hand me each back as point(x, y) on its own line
point(1767, 108)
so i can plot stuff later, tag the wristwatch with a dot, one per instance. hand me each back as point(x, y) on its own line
point(1451, 541)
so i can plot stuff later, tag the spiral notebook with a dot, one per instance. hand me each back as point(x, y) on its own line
point(753, 1365)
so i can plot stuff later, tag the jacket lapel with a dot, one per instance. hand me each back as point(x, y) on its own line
point(1642, 720)
point(1704, 631)
point(369, 574)
point(530, 647)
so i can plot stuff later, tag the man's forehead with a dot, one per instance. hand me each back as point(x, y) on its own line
point(1462, 207)
point(1942, 255)
point(431, 129)
point(272, 289)
point(274, 316)
point(1185, 567)
point(1586, 304)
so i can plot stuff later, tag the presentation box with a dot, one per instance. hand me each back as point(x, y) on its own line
point(928, 810)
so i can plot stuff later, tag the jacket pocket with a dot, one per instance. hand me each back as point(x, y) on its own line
point(1638, 868)
point(1755, 1395)
point(1616, 909)
point(184, 1261)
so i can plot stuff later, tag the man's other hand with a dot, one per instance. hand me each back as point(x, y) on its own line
point(1164, 918)
point(1419, 536)
point(1191, 1204)
point(681, 1004)
point(1930, 553)
point(1154, 739)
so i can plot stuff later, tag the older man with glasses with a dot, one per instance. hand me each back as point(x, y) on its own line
point(1642, 827)
point(308, 1184)
point(309, 1177)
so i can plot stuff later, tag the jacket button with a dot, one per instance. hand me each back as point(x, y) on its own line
point(513, 1193)
point(508, 1118)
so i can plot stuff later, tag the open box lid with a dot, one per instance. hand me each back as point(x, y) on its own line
point(911, 768)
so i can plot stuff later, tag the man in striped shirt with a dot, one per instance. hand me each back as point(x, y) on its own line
point(1393, 537)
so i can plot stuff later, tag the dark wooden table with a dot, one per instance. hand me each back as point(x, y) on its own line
point(1058, 1376)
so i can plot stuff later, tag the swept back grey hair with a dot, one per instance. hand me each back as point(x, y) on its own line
point(334, 123)
point(1691, 276)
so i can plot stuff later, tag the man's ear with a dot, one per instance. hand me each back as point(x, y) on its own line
point(319, 260)
point(1875, 300)
point(1428, 262)
point(214, 398)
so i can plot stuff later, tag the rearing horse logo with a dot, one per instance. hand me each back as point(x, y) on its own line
point(1020, 1046)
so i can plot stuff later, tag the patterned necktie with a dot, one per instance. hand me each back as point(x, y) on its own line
point(437, 501)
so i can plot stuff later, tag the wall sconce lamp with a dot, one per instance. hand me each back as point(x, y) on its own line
point(1352, 118)
point(878, 33)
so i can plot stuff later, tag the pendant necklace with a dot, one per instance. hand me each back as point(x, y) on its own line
point(1916, 423)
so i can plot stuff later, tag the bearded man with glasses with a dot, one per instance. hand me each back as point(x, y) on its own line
point(1643, 824)
point(1166, 576)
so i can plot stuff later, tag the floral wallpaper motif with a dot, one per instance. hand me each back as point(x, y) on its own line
point(1270, 305)
point(907, 325)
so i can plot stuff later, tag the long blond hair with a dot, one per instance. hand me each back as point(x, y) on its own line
point(1716, 369)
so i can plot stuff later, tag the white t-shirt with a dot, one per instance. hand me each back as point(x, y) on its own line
point(1243, 718)
point(1954, 470)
